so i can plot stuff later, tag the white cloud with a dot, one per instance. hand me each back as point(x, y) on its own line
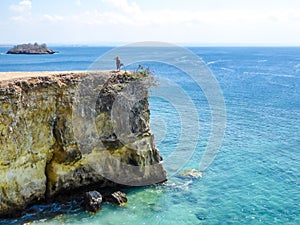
point(135, 23)
point(52, 18)
point(23, 11)
point(214, 26)
point(22, 6)
point(123, 12)
point(78, 2)
point(124, 6)
point(19, 19)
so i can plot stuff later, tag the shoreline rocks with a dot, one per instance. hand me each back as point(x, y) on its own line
point(92, 201)
point(117, 198)
point(191, 173)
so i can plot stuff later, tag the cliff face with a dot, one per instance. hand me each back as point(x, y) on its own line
point(57, 135)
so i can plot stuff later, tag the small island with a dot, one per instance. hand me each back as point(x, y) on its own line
point(30, 49)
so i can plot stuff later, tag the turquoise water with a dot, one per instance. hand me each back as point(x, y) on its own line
point(255, 177)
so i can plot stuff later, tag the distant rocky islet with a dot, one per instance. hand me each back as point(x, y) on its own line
point(30, 49)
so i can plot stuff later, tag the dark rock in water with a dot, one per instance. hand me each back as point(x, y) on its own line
point(92, 201)
point(117, 198)
point(201, 216)
point(30, 49)
point(191, 174)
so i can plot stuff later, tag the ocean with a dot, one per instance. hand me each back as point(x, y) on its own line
point(254, 177)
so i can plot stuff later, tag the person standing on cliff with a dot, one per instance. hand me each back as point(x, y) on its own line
point(118, 63)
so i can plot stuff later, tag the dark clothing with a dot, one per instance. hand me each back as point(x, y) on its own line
point(118, 64)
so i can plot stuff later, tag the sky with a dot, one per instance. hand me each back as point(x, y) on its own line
point(116, 22)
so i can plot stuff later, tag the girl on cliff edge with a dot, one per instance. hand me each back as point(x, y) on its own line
point(118, 63)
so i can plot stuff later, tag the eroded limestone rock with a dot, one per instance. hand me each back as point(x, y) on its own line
point(56, 135)
point(116, 198)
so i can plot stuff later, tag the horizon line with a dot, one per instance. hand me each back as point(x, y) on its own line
point(182, 44)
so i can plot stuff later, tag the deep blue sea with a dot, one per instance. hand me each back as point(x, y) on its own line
point(255, 176)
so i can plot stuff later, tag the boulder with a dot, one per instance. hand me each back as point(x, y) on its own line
point(92, 201)
point(192, 173)
point(117, 198)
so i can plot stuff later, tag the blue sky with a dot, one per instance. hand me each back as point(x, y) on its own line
point(192, 22)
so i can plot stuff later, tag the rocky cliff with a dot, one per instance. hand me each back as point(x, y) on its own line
point(60, 131)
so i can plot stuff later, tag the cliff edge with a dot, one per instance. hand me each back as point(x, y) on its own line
point(60, 131)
